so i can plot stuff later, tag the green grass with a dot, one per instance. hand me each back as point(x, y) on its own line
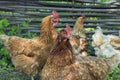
point(12, 74)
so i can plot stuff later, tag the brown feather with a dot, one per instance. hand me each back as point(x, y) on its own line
point(78, 39)
point(62, 64)
point(27, 52)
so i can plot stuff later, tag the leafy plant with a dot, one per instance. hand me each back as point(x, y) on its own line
point(4, 23)
point(115, 74)
point(25, 24)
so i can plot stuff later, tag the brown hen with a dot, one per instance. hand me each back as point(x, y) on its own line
point(30, 55)
point(78, 39)
point(114, 41)
point(62, 64)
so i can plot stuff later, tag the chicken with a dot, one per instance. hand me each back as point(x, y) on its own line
point(30, 55)
point(60, 56)
point(78, 28)
point(99, 68)
point(78, 39)
point(114, 41)
point(62, 63)
point(107, 44)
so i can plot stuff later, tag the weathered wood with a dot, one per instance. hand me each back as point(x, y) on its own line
point(35, 10)
point(44, 3)
point(90, 32)
point(64, 9)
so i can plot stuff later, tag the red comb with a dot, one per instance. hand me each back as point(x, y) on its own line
point(83, 16)
point(68, 30)
point(55, 14)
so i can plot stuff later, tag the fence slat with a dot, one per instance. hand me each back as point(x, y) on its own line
point(96, 12)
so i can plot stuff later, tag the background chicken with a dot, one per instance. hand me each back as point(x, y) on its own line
point(29, 55)
point(114, 41)
point(78, 39)
point(78, 28)
point(105, 44)
point(62, 64)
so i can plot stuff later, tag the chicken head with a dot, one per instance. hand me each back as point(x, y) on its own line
point(55, 18)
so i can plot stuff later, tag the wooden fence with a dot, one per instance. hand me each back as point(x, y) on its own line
point(106, 14)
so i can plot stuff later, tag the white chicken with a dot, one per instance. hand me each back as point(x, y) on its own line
point(104, 45)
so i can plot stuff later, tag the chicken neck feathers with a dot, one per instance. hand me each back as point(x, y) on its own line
point(78, 28)
point(63, 49)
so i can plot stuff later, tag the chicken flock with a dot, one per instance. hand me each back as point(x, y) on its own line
point(63, 55)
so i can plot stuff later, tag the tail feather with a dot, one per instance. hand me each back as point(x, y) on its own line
point(113, 61)
point(3, 37)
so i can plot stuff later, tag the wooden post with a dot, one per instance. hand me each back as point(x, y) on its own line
point(119, 32)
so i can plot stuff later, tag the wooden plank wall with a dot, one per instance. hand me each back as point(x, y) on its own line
point(107, 15)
